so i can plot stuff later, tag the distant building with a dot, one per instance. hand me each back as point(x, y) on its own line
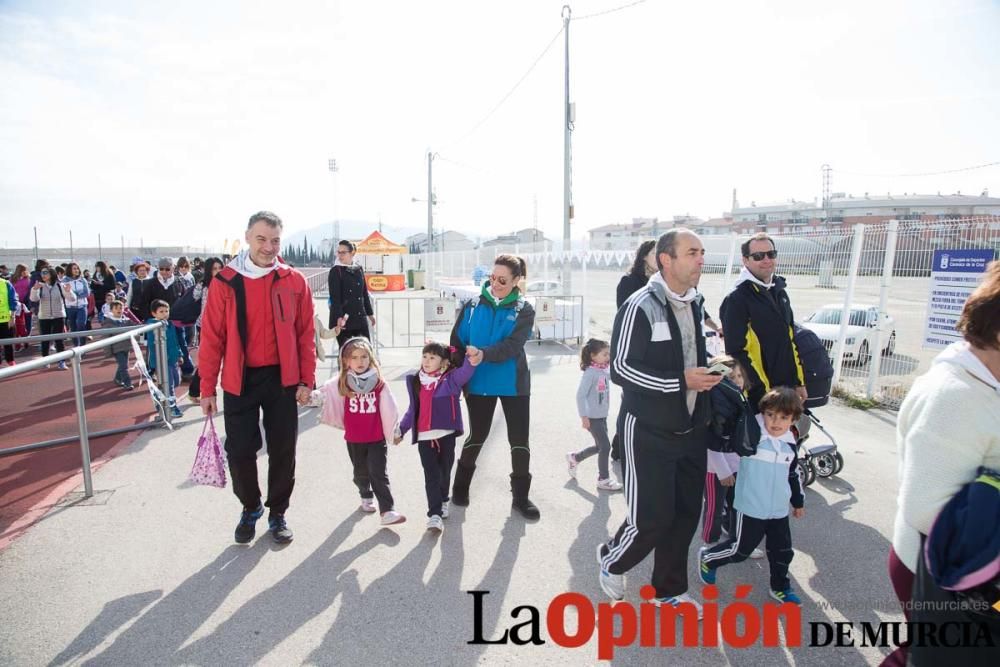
point(446, 241)
point(528, 239)
point(630, 234)
point(846, 210)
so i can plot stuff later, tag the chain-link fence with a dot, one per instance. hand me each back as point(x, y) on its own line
point(878, 274)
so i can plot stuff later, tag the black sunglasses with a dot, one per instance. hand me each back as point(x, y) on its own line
point(759, 256)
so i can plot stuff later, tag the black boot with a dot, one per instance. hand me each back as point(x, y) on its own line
point(519, 486)
point(460, 489)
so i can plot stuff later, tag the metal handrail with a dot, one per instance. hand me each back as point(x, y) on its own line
point(68, 334)
point(75, 356)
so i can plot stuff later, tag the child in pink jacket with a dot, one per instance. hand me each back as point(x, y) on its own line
point(360, 403)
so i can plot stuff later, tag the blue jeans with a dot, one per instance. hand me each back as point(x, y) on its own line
point(76, 318)
point(187, 368)
point(121, 375)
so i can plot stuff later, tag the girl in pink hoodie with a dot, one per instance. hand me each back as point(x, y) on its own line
point(360, 403)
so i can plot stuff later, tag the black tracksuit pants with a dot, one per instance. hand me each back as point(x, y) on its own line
point(749, 533)
point(664, 476)
point(516, 412)
point(370, 461)
point(437, 457)
point(262, 392)
point(719, 512)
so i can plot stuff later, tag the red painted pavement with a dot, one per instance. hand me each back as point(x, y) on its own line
point(40, 405)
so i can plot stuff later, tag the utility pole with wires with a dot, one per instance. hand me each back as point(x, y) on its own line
point(430, 218)
point(568, 118)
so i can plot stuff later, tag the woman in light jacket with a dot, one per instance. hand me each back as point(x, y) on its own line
point(948, 426)
point(50, 295)
point(76, 300)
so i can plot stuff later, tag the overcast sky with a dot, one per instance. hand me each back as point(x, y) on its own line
point(175, 121)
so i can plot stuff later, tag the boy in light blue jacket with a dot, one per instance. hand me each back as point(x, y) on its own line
point(765, 484)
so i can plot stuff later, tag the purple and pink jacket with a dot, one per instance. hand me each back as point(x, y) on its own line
point(446, 410)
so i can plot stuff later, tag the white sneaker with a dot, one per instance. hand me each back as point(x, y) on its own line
point(613, 585)
point(444, 510)
point(609, 484)
point(435, 524)
point(757, 554)
point(571, 464)
point(678, 600)
point(367, 505)
point(392, 517)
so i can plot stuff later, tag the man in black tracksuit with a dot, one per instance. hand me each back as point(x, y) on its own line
point(658, 358)
point(757, 318)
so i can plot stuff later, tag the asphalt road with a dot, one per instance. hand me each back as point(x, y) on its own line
point(147, 572)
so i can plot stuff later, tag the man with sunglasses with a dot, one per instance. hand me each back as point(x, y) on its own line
point(757, 318)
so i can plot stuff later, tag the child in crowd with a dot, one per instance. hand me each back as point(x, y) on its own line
point(359, 402)
point(733, 434)
point(767, 481)
point(160, 311)
point(436, 419)
point(592, 399)
point(109, 298)
point(116, 318)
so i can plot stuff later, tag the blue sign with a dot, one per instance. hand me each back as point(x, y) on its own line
point(961, 261)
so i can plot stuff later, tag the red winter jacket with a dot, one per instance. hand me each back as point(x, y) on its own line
point(222, 343)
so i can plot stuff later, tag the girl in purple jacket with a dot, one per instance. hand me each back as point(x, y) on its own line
point(435, 415)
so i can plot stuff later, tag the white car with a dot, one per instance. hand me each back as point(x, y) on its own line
point(861, 330)
point(543, 288)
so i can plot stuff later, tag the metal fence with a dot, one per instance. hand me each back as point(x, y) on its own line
point(402, 322)
point(884, 268)
point(75, 357)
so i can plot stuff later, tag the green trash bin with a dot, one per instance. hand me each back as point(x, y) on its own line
point(409, 278)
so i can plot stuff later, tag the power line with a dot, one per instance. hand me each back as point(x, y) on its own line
point(608, 11)
point(928, 173)
point(510, 92)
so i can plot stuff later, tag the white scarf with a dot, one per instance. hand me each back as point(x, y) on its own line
point(429, 380)
point(166, 283)
point(339, 263)
point(363, 383)
point(687, 297)
point(246, 266)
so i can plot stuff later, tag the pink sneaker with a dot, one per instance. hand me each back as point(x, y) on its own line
point(367, 505)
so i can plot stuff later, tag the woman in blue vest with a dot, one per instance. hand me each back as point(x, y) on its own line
point(495, 328)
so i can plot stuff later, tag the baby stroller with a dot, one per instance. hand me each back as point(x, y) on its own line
point(821, 460)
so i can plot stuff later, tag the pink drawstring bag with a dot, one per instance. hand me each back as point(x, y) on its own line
point(209, 466)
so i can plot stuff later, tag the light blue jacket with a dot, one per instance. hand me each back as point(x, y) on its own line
point(769, 479)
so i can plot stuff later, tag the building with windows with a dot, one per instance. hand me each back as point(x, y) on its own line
point(846, 210)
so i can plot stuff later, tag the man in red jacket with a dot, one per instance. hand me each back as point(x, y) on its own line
point(258, 326)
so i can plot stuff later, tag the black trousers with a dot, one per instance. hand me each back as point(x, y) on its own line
point(262, 392)
point(55, 325)
point(516, 412)
point(371, 472)
point(437, 458)
point(348, 334)
point(749, 533)
point(7, 331)
point(664, 477)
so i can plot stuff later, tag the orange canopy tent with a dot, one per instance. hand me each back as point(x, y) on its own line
point(387, 276)
point(376, 244)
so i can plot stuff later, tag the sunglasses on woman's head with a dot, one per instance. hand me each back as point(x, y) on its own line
point(759, 256)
